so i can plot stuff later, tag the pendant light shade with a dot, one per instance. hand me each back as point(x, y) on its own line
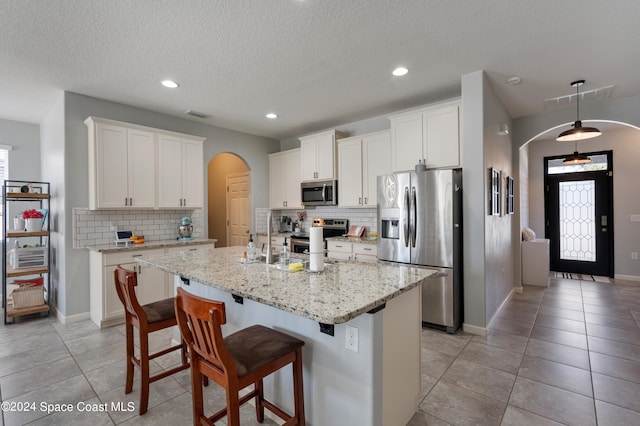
point(576, 158)
point(578, 132)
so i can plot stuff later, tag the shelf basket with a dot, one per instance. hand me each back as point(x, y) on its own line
point(27, 296)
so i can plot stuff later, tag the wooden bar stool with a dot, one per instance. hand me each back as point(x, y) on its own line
point(147, 319)
point(242, 358)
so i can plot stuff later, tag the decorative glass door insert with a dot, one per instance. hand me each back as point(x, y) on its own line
point(577, 220)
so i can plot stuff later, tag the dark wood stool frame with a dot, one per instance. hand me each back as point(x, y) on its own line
point(135, 316)
point(199, 320)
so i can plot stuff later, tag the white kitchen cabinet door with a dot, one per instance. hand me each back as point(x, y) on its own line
point(284, 180)
point(406, 141)
point(111, 305)
point(365, 252)
point(142, 169)
point(109, 161)
point(152, 285)
point(442, 137)
point(192, 174)
point(277, 180)
point(350, 172)
point(180, 172)
point(319, 155)
point(169, 171)
point(376, 161)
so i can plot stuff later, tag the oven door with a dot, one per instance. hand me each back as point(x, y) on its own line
point(299, 246)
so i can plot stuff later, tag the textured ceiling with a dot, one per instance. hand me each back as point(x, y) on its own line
point(317, 63)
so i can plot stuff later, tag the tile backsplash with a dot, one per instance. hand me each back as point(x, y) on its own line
point(95, 227)
point(362, 217)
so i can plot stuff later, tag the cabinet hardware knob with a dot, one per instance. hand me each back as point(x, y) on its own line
point(365, 200)
point(126, 201)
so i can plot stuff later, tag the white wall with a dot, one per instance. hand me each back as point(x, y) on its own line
point(625, 144)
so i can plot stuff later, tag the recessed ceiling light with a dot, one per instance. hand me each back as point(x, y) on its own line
point(271, 115)
point(514, 81)
point(400, 71)
point(170, 84)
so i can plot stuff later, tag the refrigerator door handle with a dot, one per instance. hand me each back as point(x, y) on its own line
point(414, 218)
point(407, 218)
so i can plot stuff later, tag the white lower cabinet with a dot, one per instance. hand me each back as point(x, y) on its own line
point(348, 250)
point(276, 244)
point(153, 284)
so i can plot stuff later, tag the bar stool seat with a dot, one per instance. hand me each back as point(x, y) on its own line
point(147, 319)
point(237, 361)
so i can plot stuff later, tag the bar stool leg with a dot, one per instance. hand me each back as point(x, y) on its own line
point(128, 387)
point(233, 406)
point(144, 372)
point(196, 389)
point(298, 388)
point(259, 403)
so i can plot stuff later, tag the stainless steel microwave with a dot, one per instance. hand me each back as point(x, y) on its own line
point(319, 193)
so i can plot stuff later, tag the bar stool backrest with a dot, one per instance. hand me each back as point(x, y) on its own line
point(126, 281)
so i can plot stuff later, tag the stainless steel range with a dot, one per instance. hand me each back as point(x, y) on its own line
point(330, 228)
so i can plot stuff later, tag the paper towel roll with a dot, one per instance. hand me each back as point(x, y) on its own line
point(316, 262)
point(316, 242)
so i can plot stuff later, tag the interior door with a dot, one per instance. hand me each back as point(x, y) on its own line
point(579, 222)
point(238, 210)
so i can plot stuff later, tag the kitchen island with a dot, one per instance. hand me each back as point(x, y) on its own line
point(372, 308)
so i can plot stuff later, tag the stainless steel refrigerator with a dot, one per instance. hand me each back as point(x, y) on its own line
point(420, 222)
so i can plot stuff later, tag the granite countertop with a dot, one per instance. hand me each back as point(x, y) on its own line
point(360, 240)
point(112, 247)
point(342, 292)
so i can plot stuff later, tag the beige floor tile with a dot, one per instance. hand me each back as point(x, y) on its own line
point(512, 327)
point(561, 313)
point(176, 411)
point(561, 304)
point(616, 391)
point(503, 340)
point(609, 414)
point(424, 419)
point(521, 306)
point(491, 356)
point(559, 336)
point(604, 310)
point(450, 344)
point(555, 374)
point(435, 363)
point(460, 406)
point(612, 333)
point(81, 415)
point(613, 348)
point(575, 298)
point(20, 361)
point(485, 380)
point(559, 353)
point(616, 322)
point(515, 314)
point(615, 367)
point(561, 324)
point(38, 377)
point(551, 402)
point(514, 416)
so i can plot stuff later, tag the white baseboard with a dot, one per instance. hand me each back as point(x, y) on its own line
point(72, 318)
point(474, 329)
point(513, 291)
point(518, 290)
point(626, 277)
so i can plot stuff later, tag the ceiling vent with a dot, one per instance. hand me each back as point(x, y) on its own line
point(598, 94)
point(196, 113)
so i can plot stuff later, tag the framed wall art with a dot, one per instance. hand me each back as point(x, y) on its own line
point(509, 195)
point(495, 191)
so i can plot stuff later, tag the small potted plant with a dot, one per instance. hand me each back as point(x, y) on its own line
point(302, 215)
point(33, 220)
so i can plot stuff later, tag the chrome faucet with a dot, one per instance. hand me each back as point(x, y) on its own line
point(269, 254)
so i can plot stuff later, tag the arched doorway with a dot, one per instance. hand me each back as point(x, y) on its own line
point(229, 195)
point(620, 139)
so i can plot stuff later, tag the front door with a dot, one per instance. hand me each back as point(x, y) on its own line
point(579, 215)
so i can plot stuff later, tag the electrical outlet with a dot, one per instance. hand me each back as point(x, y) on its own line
point(351, 339)
point(634, 255)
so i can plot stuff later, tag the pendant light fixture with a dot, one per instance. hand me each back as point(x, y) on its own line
point(578, 132)
point(576, 158)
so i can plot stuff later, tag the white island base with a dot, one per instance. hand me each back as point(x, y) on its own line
point(377, 385)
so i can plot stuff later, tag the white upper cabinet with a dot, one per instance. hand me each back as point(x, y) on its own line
point(319, 155)
point(431, 133)
point(139, 167)
point(121, 166)
point(181, 172)
point(284, 180)
point(361, 159)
